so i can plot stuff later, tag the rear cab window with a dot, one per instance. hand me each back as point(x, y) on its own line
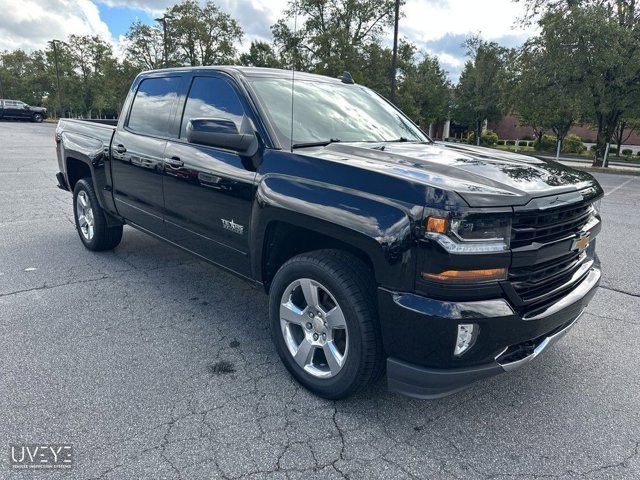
point(152, 106)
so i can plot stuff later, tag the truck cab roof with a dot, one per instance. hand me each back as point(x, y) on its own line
point(251, 72)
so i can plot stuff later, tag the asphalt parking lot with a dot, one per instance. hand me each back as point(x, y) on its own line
point(156, 365)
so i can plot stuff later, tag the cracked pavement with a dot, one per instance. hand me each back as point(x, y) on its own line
point(156, 365)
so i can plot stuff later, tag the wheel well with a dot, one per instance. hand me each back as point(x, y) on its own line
point(76, 169)
point(284, 241)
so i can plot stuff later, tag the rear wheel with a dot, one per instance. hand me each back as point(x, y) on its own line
point(91, 221)
point(324, 324)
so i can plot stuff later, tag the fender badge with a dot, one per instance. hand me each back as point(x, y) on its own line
point(232, 226)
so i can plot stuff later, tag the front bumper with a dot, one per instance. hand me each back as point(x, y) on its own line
point(419, 336)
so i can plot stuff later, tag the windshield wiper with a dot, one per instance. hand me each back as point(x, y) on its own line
point(315, 144)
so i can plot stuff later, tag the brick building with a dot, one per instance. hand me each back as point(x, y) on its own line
point(509, 129)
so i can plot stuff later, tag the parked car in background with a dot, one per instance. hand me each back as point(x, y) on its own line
point(17, 110)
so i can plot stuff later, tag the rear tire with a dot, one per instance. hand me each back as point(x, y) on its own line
point(91, 221)
point(343, 360)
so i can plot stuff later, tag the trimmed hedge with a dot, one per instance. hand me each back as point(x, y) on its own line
point(489, 138)
point(547, 144)
point(573, 144)
point(627, 152)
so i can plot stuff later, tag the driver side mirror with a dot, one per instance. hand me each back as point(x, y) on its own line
point(223, 133)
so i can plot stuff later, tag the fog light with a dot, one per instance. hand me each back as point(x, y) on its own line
point(467, 333)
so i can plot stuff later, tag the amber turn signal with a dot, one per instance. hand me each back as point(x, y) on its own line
point(467, 276)
point(437, 225)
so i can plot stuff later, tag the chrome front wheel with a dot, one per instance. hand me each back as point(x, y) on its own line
point(314, 328)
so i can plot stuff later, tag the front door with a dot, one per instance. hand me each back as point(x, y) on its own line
point(208, 192)
point(137, 152)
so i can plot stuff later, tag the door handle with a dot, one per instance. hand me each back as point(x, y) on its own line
point(121, 149)
point(174, 162)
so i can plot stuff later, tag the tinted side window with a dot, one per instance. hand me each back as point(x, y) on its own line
point(211, 97)
point(152, 106)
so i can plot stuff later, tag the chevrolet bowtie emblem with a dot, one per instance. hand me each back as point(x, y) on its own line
point(581, 243)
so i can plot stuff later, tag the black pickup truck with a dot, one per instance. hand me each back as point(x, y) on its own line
point(379, 248)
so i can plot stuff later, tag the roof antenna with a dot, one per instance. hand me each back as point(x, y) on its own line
point(293, 63)
point(346, 78)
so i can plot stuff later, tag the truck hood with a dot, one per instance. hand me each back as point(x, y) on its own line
point(483, 177)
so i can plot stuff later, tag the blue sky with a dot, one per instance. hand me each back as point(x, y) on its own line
point(119, 18)
point(437, 27)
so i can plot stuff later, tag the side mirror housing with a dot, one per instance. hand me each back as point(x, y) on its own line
point(222, 133)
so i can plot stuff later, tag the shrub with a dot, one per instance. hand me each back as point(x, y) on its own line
point(489, 138)
point(500, 142)
point(613, 151)
point(593, 148)
point(638, 153)
point(471, 138)
point(548, 144)
point(573, 144)
point(511, 142)
point(627, 152)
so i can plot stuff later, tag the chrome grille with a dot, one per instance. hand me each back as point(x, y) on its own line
point(544, 226)
point(536, 282)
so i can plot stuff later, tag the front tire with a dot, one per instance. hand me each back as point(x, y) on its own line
point(38, 117)
point(324, 322)
point(91, 221)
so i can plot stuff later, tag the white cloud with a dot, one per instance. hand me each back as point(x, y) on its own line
point(152, 6)
point(428, 20)
point(29, 24)
point(448, 60)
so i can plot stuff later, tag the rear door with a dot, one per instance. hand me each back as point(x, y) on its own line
point(137, 152)
point(11, 109)
point(208, 192)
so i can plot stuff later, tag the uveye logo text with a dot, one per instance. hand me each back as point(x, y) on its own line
point(41, 456)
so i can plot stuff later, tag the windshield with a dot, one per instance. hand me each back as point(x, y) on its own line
point(325, 112)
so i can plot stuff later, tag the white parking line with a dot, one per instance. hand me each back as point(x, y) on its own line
point(620, 186)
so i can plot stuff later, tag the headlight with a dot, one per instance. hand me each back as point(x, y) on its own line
point(470, 232)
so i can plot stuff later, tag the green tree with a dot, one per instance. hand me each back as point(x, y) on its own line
point(260, 54)
point(203, 35)
point(424, 92)
point(546, 96)
point(627, 125)
point(145, 46)
point(479, 94)
point(333, 35)
point(604, 57)
point(601, 43)
point(23, 76)
point(89, 56)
